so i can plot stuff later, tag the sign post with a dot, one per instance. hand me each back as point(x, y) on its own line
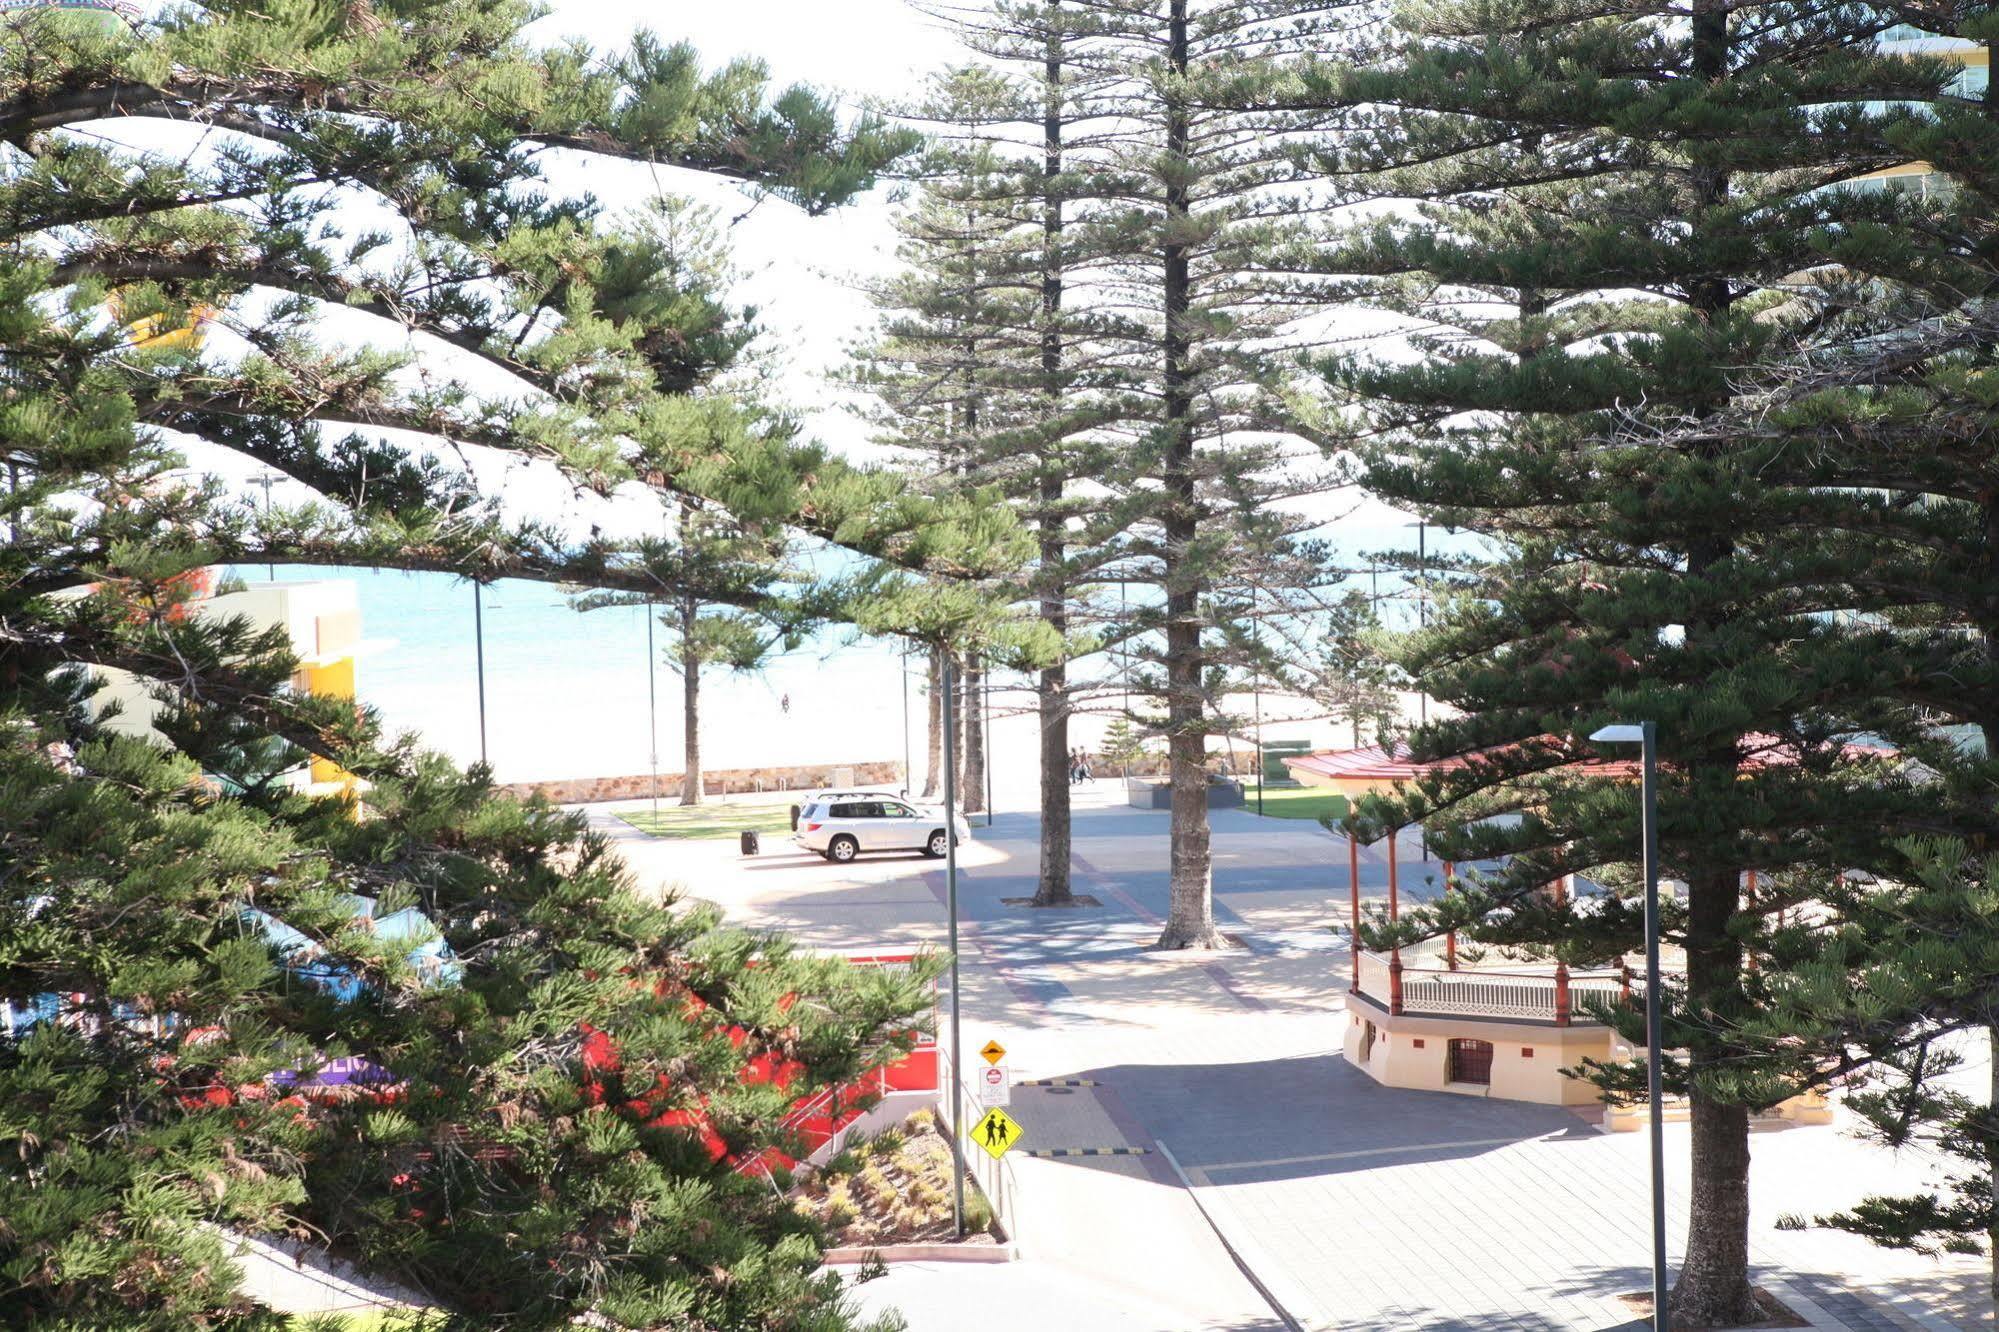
point(951, 906)
point(997, 1133)
point(995, 1086)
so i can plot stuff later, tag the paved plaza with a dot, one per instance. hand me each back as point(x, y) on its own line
point(1278, 1186)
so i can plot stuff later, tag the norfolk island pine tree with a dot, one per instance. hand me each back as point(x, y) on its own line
point(1883, 412)
point(1126, 224)
point(88, 408)
point(1188, 231)
point(978, 366)
point(1498, 123)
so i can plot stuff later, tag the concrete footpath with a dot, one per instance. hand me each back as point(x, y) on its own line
point(1257, 1147)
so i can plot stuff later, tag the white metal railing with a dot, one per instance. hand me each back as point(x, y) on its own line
point(995, 1177)
point(1603, 987)
point(1374, 976)
point(1478, 994)
point(1532, 996)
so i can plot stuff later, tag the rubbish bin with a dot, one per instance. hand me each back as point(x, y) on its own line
point(750, 842)
point(794, 818)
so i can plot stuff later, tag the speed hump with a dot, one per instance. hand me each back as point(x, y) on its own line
point(996, 1133)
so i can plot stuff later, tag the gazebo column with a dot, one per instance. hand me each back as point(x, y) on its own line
point(1394, 915)
point(1563, 1008)
point(1450, 939)
point(1353, 901)
point(1749, 904)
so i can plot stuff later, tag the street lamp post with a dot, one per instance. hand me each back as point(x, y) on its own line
point(1124, 647)
point(986, 750)
point(1256, 693)
point(652, 707)
point(951, 908)
point(1646, 734)
point(479, 651)
point(1422, 526)
point(267, 479)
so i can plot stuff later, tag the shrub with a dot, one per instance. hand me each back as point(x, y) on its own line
point(978, 1212)
point(875, 1184)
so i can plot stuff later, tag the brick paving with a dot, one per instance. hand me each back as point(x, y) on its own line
point(1358, 1207)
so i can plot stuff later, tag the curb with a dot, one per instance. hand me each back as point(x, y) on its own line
point(924, 1253)
point(1284, 1315)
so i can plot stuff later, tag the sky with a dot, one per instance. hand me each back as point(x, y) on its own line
point(802, 273)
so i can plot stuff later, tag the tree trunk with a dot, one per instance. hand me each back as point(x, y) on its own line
point(1053, 888)
point(1992, 1153)
point(1989, 732)
point(933, 768)
point(1713, 1289)
point(690, 707)
point(972, 786)
point(1190, 915)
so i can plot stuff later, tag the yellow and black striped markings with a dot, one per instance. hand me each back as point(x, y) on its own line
point(1087, 1151)
point(1058, 1082)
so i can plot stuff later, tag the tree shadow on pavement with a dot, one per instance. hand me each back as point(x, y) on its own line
point(1265, 1120)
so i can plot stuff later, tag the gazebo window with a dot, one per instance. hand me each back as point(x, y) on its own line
point(1471, 1061)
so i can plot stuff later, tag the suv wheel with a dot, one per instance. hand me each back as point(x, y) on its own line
point(935, 847)
point(842, 849)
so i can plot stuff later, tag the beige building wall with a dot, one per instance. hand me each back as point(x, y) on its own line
point(1527, 1058)
point(1527, 1063)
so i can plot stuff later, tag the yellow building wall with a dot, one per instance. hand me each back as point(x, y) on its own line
point(331, 679)
point(323, 622)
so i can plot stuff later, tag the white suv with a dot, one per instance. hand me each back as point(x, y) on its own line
point(843, 828)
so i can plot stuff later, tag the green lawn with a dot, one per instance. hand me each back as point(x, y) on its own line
point(1296, 802)
point(710, 820)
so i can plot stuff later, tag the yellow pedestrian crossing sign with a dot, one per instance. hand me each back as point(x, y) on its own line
point(997, 1133)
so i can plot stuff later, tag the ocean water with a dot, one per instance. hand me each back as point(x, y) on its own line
point(567, 692)
point(575, 694)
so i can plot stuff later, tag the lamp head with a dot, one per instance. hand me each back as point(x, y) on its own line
point(1620, 734)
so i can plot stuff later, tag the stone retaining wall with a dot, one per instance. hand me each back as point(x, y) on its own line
point(729, 781)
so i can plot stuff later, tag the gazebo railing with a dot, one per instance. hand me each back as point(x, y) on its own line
point(1374, 976)
point(1520, 995)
